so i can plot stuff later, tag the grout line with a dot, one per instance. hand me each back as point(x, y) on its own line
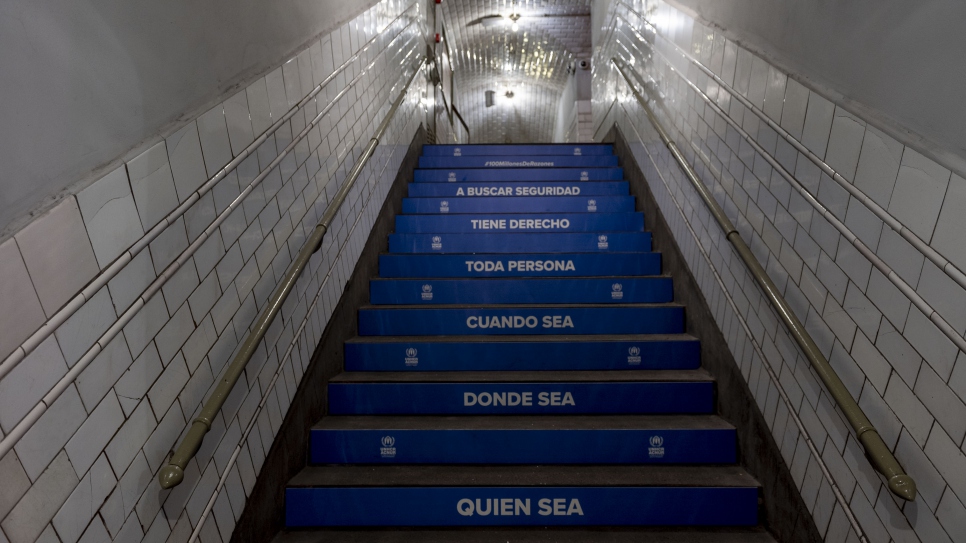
point(8, 442)
point(950, 269)
point(284, 358)
point(764, 360)
point(894, 278)
point(103, 277)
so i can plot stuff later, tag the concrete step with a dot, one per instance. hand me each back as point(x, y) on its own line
point(515, 150)
point(529, 535)
point(518, 188)
point(518, 161)
point(522, 353)
point(511, 222)
point(520, 265)
point(498, 242)
point(581, 395)
point(511, 320)
point(697, 375)
point(455, 175)
point(523, 439)
point(521, 204)
point(662, 495)
point(584, 290)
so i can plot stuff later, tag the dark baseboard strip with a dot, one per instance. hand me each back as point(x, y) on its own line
point(264, 512)
point(783, 511)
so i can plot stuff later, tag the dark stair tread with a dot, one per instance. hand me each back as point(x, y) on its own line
point(519, 306)
point(529, 535)
point(526, 475)
point(522, 422)
point(549, 256)
point(520, 338)
point(600, 376)
point(541, 278)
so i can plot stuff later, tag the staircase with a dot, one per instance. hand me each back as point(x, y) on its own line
point(521, 373)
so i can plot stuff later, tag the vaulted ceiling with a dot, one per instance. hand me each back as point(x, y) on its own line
point(530, 57)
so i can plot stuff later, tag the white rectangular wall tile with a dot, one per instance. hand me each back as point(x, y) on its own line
point(58, 254)
point(947, 238)
point(91, 438)
point(138, 377)
point(240, 131)
point(278, 103)
point(898, 361)
point(16, 290)
point(110, 216)
point(213, 133)
point(126, 444)
point(127, 415)
point(152, 185)
point(845, 143)
point(131, 281)
point(187, 162)
point(39, 505)
point(27, 383)
point(49, 435)
point(146, 324)
point(16, 482)
point(78, 334)
point(80, 507)
point(919, 192)
point(878, 166)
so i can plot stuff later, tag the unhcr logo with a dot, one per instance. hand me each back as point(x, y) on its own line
point(577, 151)
point(437, 243)
point(444, 206)
point(427, 292)
point(602, 242)
point(452, 177)
point(388, 449)
point(584, 176)
point(634, 355)
point(617, 291)
point(591, 205)
point(656, 450)
point(410, 358)
point(457, 152)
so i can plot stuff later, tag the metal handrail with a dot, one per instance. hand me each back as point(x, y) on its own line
point(172, 474)
point(882, 459)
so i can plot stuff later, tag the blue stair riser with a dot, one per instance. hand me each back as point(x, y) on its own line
point(509, 188)
point(520, 243)
point(522, 506)
point(511, 161)
point(523, 204)
point(521, 291)
point(543, 222)
point(517, 150)
point(519, 398)
point(522, 356)
point(458, 446)
point(520, 265)
point(455, 175)
point(522, 321)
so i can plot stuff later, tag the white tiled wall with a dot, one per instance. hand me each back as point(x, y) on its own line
point(163, 271)
point(868, 251)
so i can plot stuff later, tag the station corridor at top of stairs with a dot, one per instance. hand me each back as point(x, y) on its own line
point(522, 373)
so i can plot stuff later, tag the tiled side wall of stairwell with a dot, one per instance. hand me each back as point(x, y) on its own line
point(86, 470)
point(906, 372)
